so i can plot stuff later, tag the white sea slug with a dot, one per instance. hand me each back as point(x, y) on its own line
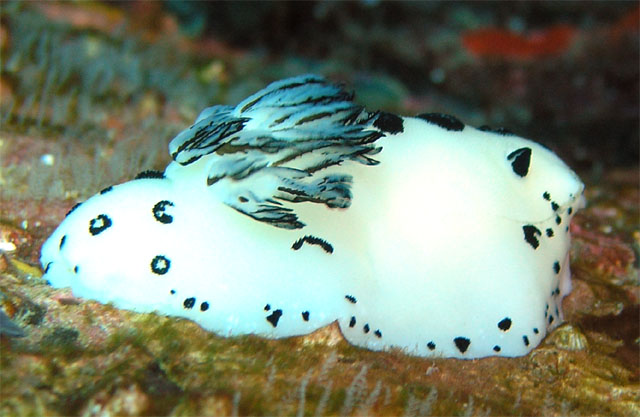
point(297, 208)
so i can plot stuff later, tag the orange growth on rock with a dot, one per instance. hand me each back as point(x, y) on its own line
point(629, 23)
point(503, 43)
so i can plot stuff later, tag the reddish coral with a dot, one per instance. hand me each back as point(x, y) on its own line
point(503, 43)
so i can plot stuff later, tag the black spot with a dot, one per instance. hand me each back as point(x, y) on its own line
point(159, 211)
point(274, 317)
point(445, 121)
point(64, 238)
point(549, 232)
point(351, 298)
point(72, 208)
point(378, 333)
point(389, 123)
point(530, 235)
point(557, 312)
point(558, 219)
point(535, 330)
point(243, 199)
point(554, 206)
point(520, 160)
point(106, 190)
point(46, 268)
point(76, 269)
point(556, 267)
point(160, 265)
point(570, 210)
point(99, 224)
point(546, 196)
point(557, 291)
point(550, 319)
point(431, 345)
point(499, 130)
point(172, 292)
point(496, 348)
point(525, 339)
point(352, 322)
point(305, 315)
point(462, 343)
point(267, 307)
point(189, 302)
point(366, 328)
point(312, 240)
point(504, 324)
point(204, 306)
point(150, 173)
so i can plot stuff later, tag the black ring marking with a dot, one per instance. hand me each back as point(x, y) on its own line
point(99, 224)
point(160, 265)
point(159, 211)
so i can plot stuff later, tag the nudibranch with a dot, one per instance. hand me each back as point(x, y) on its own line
point(297, 208)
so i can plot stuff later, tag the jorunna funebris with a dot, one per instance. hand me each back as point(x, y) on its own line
point(297, 208)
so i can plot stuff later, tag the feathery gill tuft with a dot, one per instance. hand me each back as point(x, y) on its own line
point(253, 145)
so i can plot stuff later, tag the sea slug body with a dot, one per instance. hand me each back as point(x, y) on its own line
point(297, 208)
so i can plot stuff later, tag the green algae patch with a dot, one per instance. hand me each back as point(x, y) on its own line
point(62, 341)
